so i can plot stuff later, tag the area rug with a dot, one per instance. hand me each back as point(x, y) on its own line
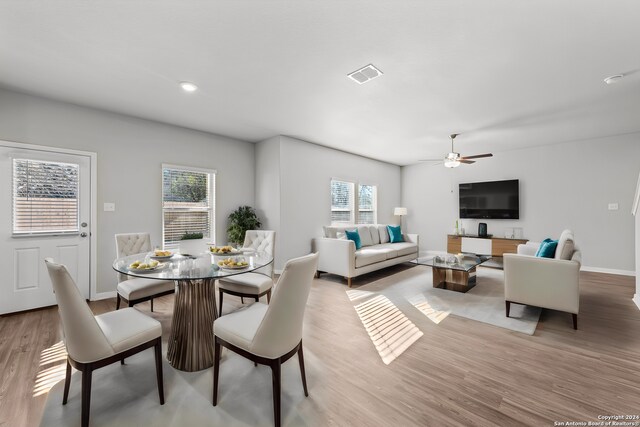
point(127, 395)
point(412, 290)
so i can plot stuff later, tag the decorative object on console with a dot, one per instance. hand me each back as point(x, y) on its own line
point(395, 234)
point(355, 237)
point(400, 212)
point(482, 229)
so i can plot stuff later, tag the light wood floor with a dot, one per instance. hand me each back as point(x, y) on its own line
point(460, 372)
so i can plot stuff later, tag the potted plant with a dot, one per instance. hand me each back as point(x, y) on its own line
point(242, 219)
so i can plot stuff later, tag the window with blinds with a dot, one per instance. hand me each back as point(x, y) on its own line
point(188, 200)
point(342, 202)
point(45, 197)
point(367, 204)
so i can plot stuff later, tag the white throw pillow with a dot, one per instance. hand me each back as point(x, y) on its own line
point(375, 235)
point(384, 234)
point(365, 235)
point(566, 246)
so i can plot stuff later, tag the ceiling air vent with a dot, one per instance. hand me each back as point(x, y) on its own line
point(365, 74)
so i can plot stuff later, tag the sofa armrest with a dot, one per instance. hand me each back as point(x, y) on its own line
point(542, 282)
point(529, 248)
point(337, 256)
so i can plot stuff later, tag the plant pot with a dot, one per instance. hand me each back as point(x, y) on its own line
point(193, 246)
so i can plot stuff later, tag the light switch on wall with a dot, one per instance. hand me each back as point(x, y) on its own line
point(613, 206)
point(109, 207)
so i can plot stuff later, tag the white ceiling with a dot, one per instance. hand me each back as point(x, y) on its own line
point(505, 73)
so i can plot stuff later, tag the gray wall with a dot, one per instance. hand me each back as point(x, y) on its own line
point(561, 186)
point(268, 188)
point(306, 171)
point(130, 154)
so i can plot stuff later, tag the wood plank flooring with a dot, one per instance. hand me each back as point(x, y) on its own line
point(460, 372)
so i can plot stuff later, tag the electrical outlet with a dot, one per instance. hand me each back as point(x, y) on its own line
point(109, 207)
point(613, 206)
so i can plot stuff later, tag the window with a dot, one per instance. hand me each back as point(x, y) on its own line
point(344, 199)
point(45, 197)
point(188, 200)
point(367, 204)
point(342, 202)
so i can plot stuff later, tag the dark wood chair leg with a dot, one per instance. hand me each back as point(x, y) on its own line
point(275, 373)
point(67, 383)
point(508, 307)
point(220, 294)
point(152, 305)
point(269, 296)
point(302, 373)
point(575, 321)
point(118, 302)
point(130, 304)
point(86, 395)
point(257, 298)
point(216, 371)
point(242, 300)
point(159, 378)
point(122, 361)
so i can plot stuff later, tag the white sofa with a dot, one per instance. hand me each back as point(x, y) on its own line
point(544, 282)
point(339, 255)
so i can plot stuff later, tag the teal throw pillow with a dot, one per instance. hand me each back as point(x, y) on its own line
point(355, 236)
point(395, 234)
point(547, 248)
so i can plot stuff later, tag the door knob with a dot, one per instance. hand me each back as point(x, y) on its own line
point(83, 234)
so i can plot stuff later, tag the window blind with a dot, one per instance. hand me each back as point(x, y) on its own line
point(188, 198)
point(342, 202)
point(45, 197)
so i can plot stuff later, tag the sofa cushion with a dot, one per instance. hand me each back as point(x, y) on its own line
point(566, 246)
point(355, 237)
point(370, 255)
point(405, 248)
point(365, 235)
point(389, 249)
point(384, 234)
point(375, 235)
point(395, 234)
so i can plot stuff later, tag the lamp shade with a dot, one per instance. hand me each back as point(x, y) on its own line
point(400, 211)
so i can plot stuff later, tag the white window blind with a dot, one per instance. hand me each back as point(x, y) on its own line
point(367, 204)
point(342, 202)
point(45, 197)
point(188, 200)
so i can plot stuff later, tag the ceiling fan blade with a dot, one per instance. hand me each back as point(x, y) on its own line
point(477, 156)
point(467, 162)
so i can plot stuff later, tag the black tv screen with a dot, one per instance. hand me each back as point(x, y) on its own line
point(490, 200)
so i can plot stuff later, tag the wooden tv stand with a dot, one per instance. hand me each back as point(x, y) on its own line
point(495, 246)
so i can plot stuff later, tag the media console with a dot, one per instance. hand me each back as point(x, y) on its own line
point(494, 246)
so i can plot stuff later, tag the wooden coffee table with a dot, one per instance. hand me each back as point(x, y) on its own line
point(454, 272)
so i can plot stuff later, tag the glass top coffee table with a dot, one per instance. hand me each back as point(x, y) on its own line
point(454, 272)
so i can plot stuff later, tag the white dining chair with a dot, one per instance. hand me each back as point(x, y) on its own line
point(93, 342)
point(257, 283)
point(270, 334)
point(137, 289)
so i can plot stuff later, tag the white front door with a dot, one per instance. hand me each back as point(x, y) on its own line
point(45, 209)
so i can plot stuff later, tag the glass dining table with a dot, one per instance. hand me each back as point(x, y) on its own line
point(191, 340)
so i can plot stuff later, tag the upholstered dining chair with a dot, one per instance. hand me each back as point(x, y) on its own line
point(269, 334)
point(93, 342)
point(136, 289)
point(257, 283)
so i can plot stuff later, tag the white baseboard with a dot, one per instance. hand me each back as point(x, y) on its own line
point(103, 295)
point(636, 299)
point(608, 271)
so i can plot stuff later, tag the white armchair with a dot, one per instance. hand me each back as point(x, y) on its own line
point(544, 282)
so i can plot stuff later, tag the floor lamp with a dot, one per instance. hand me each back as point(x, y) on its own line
point(400, 212)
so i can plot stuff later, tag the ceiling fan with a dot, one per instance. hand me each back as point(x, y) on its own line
point(453, 159)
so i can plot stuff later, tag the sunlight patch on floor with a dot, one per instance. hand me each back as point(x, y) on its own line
point(435, 315)
point(390, 331)
point(50, 375)
point(355, 294)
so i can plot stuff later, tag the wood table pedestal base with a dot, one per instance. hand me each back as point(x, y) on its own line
point(191, 341)
point(454, 280)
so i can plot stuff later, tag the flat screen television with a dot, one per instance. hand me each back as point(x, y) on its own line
point(490, 200)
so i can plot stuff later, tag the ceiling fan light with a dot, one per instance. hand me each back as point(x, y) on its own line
point(451, 163)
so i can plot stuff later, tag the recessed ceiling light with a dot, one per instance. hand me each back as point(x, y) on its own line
point(188, 86)
point(365, 74)
point(613, 79)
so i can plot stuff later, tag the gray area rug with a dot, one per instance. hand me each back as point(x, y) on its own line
point(412, 290)
point(127, 395)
